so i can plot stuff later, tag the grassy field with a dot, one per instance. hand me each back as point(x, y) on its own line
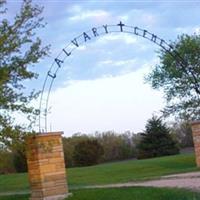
point(131, 170)
point(116, 172)
point(135, 193)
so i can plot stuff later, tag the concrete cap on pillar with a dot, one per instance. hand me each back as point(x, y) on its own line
point(195, 122)
point(51, 133)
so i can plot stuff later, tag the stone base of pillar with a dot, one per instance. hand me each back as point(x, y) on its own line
point(46, 167)
point(196, 138)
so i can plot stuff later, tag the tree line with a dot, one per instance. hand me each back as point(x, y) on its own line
point(158, 139)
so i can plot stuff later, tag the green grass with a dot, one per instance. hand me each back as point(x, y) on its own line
point(15, 197)
point(116, 172)
point(135, 193)
point(131, 170)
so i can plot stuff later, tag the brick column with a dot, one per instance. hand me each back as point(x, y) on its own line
point(46, 167)
point(196, 138)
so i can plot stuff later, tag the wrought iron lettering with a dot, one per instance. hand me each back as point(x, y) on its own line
point(135, 30)
point(121, 26)
point(94, 30)
point(144, 33)
point(161, 43)
point(51, 75)
point(86, 36)
point(74, 41)
point(153, 38)
point(67, 53)
point(58, 61)
point(106, 28)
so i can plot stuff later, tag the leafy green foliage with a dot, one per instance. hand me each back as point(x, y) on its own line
point(156, 140)
point(6, 162)
point(20, 162)
point(69, 144)
point(87, 152)
point(115, 146)
point(20, 50)
point(180, 78)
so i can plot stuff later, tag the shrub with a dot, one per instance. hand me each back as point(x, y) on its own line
point(87, 152)
point(6, 162)
point(20, 163)
point(69, 145)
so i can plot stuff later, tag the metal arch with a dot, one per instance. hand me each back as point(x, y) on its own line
point(87, 36)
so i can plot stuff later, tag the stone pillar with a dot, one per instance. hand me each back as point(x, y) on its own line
point(196, 138)
point(46, 167)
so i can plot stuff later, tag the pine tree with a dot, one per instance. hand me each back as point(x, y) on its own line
point(156, 141)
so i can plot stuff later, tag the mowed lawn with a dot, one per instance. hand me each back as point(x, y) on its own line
point(116, 172)
point(134, 193)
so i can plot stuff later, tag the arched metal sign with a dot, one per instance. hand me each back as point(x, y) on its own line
point(83, 38)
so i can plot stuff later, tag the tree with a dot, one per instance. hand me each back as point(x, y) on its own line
point(179, 77)
point(116, 146)
point(156, 141)
point(87, 152)
point(20, 50)
point(19, 160)
point(69, 145)
point(183, 133)
point(6, 162)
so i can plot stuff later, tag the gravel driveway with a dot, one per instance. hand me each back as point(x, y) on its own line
point(186, 180)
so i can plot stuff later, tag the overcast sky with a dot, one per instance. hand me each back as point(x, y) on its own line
point(101, 86)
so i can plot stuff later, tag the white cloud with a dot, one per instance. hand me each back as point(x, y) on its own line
point(74, 9)
point(82, 48)
point(126, 38)
point(141, 17)
point(118, 103)
point(124, 66)
point(188, 30)
point(124, 18)
point(97, 15)
point(149, 19)
point(121, 40)
point(117, 62)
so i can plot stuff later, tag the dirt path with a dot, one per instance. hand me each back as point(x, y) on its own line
point(187, 180)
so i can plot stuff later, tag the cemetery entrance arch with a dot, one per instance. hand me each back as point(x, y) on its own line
point(85, 37)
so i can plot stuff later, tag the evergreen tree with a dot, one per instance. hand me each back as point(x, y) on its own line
point(156, 141)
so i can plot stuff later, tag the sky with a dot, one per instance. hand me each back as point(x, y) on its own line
point(101, 86)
